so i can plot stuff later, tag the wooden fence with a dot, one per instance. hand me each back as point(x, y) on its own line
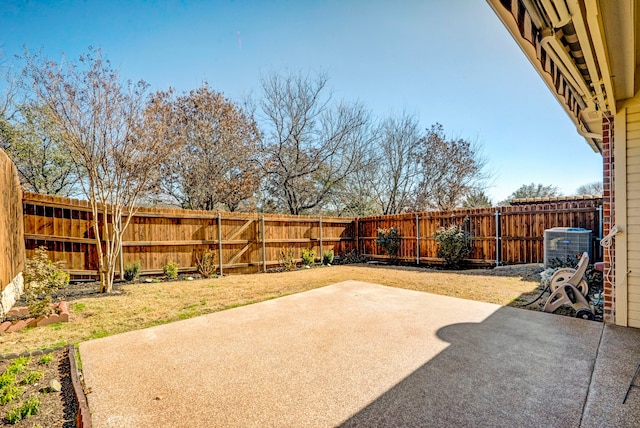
point(503, 235)
point(240, 242)
point(12, 253)
point(255, 242)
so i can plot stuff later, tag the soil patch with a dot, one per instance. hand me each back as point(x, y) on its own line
point(57, 409)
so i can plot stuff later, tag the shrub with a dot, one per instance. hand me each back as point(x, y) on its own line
point(327, 257)
point(171, 270)
point(350, 257)
point(132, 271)
point(454, 245)
point(42, 277)
point(389, 239)
point(287, 261)
point(207, 264)
point(308, 256)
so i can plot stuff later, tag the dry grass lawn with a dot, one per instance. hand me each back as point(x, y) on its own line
point(147, 304)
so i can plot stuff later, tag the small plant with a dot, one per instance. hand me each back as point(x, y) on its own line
point(327, 257)
point(171, 270)
point(10, 392)
point(7, 379)
point(308, 256)
point(132, 271)
point(389, 239)
point(207, 264)
point(287, 260)
point(23, 411)
point(42, 277)
point(454, 245)
point(18, 365)
point(45, 359)
point(31, 378)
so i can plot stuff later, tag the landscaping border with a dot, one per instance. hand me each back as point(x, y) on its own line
point(83, 417)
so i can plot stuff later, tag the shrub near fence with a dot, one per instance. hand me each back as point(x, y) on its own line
point(245, 242)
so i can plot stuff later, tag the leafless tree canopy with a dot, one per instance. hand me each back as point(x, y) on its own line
point(595, 188)
point(100, 120)
point(450, 168)
point(398, 170)
point(220, 142)
point(311, 145)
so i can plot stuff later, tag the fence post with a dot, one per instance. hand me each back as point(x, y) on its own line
point(357, 235)
point(220, 241)
point(498, 239)
point(264, 248)
point(321, 253)
point(417, 239)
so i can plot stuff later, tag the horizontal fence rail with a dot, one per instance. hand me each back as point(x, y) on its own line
point(250, 242)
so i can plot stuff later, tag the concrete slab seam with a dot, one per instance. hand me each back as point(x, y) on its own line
point(593, 366)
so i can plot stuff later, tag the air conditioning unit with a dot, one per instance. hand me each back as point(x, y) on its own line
point(561, 242)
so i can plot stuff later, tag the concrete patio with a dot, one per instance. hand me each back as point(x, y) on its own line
point(359, 354)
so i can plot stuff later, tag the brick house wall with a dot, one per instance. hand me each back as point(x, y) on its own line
point(608, 203)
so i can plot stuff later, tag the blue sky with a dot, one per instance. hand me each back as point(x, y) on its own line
point(447, 61)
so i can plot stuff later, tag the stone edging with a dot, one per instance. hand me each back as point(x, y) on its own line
point(83, 417)
point(11, 326)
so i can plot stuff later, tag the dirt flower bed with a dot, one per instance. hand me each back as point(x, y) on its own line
point(27, 382)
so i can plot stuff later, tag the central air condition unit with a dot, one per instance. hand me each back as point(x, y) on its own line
point(562, 242)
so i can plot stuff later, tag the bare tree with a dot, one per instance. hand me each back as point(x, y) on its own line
point(450, 168)
point(110, 138)
point(595, 188)
point(218, 161)
point(35, 146)
point(397, 169)
point(310, 146)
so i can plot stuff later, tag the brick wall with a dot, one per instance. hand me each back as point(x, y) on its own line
point(608, 217)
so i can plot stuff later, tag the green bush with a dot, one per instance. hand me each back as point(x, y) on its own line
point(454, 245)
point(327, 257)
point(132, 271)
point(171, 270)
point(389, 239)
point(42, 277)
point(308, 256)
